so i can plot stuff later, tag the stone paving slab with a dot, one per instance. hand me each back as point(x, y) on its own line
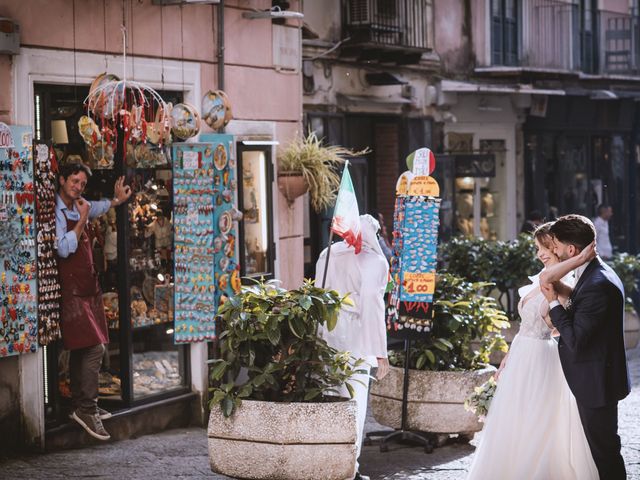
point(182, 454)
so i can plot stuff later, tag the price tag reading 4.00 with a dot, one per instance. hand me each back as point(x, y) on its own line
point(417, 283)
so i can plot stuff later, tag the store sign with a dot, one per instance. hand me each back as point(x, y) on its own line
point(286, 47)
point(475, 165)
point(6, 139)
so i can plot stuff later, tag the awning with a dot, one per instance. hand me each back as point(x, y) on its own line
point(371, 99)
point(468, 87)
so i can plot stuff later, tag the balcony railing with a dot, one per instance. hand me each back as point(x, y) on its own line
point(388, 23)
point(550, 38)
point(558, 35)
point(619, 42)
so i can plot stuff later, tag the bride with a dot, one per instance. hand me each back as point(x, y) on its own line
point(533, 429)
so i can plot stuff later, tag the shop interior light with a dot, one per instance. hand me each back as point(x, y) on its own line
point(169, 331)
point(153, 206)
point(161, 277)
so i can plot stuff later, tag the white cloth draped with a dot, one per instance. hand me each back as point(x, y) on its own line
point(361, 329)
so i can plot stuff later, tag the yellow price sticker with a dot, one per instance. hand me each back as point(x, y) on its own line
point(418, 283)
point(424, 186)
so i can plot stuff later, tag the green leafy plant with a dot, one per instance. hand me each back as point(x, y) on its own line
point(507, 265)
point(272, 333)
point(319, 165)
point(627, 267)
point(461, 315)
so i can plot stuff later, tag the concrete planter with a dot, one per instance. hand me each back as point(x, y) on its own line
point(436, 400)
point(631, 329)
point(285, 441)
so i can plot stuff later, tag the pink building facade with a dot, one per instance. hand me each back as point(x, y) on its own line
point(184, 48)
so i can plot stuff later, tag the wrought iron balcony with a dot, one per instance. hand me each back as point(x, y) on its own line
point(387, 30)
point(619, 42)
point(564, 37)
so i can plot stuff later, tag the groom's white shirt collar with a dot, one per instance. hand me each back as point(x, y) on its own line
point(580, 270)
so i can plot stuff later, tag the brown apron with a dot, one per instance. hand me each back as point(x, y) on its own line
point(83, 320)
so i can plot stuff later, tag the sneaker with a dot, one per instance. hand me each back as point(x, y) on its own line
point(103, 414)
point(92, 424)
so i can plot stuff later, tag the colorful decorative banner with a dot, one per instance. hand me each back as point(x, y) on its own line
point(18, 309)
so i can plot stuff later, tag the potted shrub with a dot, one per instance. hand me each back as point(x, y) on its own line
point(276, 417)
point(628, 269)
point(306, 164)
point(507, 265)
point(446, 367)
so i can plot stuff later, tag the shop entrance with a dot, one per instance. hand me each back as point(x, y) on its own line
point(133, 254)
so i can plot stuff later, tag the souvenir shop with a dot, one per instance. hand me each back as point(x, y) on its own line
point(199, 220)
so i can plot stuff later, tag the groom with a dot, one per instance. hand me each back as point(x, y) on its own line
point(591, 345)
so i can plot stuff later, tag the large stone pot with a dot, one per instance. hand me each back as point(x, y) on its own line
point(285, 441)
point(436, 400)
point(631, 329)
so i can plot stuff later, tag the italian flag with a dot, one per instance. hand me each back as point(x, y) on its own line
point(346, 216)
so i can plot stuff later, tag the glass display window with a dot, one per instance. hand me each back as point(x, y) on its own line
point(257, 249)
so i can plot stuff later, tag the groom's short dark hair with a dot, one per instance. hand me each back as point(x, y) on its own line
point(575, 230)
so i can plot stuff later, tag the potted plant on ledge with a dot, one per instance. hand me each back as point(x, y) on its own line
point(445, 365)
point(306, 164)
point(276, 417)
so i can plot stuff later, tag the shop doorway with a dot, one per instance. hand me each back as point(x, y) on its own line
point(133, 253)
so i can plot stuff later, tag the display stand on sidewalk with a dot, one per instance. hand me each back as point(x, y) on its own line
point(428, 440)
point(413, 268)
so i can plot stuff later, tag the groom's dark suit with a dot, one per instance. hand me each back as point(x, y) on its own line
point(591, 349)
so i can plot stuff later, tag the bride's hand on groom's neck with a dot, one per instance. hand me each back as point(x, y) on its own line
point(588, 253)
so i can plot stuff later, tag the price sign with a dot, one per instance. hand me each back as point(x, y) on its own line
point(419, 283)
point(424, 186)
point(190, 160)
point(402, 186)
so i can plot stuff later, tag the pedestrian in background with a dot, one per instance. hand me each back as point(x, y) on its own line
point(601, 222)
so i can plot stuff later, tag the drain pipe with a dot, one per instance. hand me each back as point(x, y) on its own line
point(221, 45)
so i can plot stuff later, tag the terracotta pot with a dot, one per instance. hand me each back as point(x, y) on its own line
point(286, 441)
point(631, 329)
point(292, 185)
point(436, 400)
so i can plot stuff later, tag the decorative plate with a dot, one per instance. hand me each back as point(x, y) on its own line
point(185, 121)
point(225, 222)
point(215, 109)
point(220, 157)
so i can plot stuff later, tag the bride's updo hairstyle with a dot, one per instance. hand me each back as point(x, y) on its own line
point(544, 236)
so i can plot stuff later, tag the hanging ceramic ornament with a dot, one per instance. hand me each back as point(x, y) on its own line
point(216, 109)
point(185, 121)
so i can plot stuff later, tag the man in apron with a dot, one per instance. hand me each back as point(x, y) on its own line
point(84, 327)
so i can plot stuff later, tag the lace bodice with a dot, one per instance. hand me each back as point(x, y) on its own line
point(532, 309)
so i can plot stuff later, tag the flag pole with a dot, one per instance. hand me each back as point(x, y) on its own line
point(326, 263)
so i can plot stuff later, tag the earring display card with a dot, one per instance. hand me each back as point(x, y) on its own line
point(206, 268)
point(49, 293)
point(18, 314)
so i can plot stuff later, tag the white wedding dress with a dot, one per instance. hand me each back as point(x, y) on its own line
point(533, 429)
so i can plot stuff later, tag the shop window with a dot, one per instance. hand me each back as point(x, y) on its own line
point(257, 248)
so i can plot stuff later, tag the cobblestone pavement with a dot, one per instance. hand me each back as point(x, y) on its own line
point(182, 453)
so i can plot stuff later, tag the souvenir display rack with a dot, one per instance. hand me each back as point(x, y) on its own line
point(49, 293)
point(206, 270)
point(413, 267)
point(18, 308)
